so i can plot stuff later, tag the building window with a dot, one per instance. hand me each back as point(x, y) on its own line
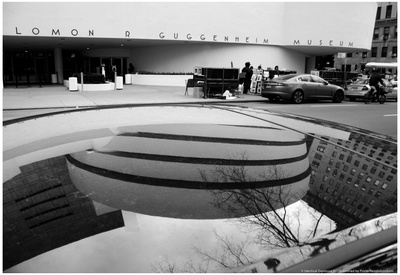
point(363, 187)
point(384, 52)
point(384, 186)
point(378, 194)
point(378, 13)
point(370, 191)
point(364, 54)
point(376, 34)
point(377, 182)
point(349, 55)
point(315, 164)
point(386, 33)
point(388, 11)
point(394, 51)
point(395, 32)
point(374, 51)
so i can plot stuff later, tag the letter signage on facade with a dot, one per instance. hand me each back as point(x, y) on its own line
point(189, 36)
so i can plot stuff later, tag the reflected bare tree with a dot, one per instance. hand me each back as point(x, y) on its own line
point(262, 210)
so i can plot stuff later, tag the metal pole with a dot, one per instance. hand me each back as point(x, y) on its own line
point(82, 81)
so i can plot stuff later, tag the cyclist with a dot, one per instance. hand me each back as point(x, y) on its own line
point(374, 81)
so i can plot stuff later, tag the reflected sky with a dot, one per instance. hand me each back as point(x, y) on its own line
point(176, 184)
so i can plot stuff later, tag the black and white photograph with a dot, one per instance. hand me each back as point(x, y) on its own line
point(199, 136)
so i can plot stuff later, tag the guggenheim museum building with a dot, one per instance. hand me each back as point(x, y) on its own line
point(41, 39)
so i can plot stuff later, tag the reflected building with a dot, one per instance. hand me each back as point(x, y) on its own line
point(43, 210)
point(353, 180)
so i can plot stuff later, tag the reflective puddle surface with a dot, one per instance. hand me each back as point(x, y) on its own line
point(195, 189)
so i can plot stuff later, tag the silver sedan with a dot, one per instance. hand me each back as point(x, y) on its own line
point(300, 87)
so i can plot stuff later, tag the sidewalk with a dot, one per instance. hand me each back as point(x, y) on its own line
point(58, 96)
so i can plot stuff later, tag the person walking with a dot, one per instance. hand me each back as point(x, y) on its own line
point(247, 80)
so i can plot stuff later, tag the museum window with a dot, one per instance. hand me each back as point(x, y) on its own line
point(388, 11)
point(368, 179)
point(374, 52)
point(377, 182)
point(384, 186)
point(384, 52)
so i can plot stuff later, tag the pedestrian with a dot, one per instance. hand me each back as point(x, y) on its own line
point(131, 68)
point(247, 80)
point(274, 73)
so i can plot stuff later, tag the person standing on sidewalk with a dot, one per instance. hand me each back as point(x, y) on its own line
point(247, 80)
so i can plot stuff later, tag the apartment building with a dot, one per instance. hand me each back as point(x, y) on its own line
point(384, 42)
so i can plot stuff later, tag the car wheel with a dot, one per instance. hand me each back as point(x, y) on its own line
point(297, 97)
point(338, 97)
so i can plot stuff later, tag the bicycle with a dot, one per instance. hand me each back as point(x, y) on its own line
point(371, 96)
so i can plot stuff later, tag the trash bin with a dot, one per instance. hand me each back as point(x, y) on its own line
point(128, 79)
point(73, 84)
point(119, 83)
point(198, 89)
point(53, 78)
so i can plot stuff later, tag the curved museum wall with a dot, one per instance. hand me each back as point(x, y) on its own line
point(175, 37)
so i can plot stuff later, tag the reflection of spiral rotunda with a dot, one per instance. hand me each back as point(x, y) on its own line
point(174, 170)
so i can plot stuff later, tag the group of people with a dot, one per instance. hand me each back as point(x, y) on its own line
point(247, 73)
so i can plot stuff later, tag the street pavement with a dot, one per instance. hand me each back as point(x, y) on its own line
point(58, 96)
